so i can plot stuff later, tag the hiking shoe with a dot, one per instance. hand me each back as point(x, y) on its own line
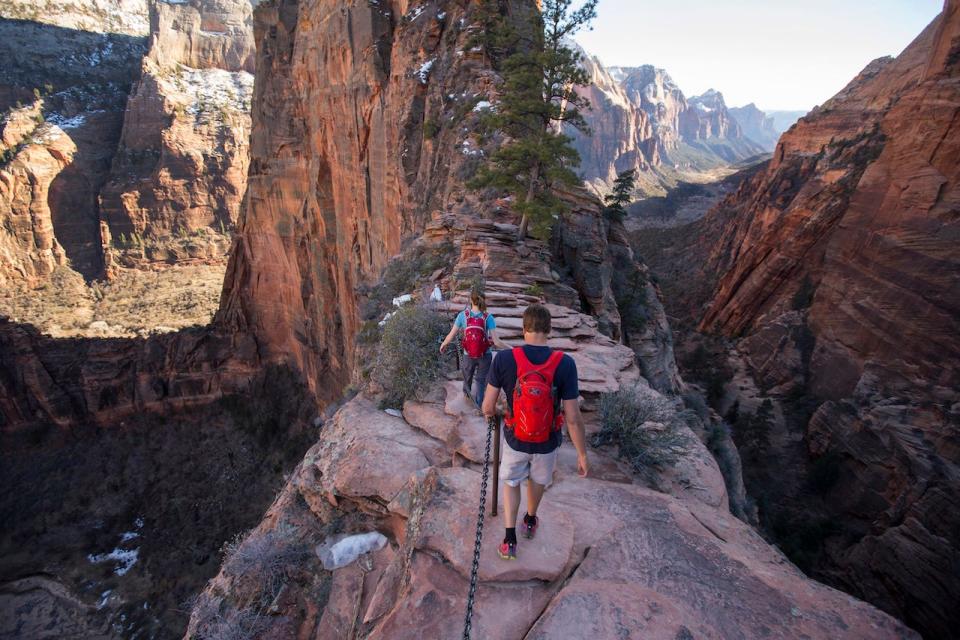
point(528, 529)
point(507, 551)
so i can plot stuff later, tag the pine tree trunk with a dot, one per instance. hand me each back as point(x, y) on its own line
point(531, 190)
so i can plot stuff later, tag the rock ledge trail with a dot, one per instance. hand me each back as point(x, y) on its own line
point(612, 558)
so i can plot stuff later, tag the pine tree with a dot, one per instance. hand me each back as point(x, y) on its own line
point(537, 97)
point(621, 195)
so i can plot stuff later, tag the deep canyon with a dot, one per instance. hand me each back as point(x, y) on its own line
point(207, 207)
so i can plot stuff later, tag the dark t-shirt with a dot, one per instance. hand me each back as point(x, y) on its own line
point(503, 375)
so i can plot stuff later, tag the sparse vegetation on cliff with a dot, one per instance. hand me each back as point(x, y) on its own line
point(408, 361)
point(539, 71)
point(643, 427)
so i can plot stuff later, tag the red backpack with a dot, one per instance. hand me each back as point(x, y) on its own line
point(536, 405)
point(475, 340)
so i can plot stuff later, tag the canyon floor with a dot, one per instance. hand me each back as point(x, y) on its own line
point(134, 303)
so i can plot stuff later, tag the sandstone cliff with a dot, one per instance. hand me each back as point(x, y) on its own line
point(81, 60)
point(33, 155)
point(641, 120)
point(326, 207)
point(179, 174)
point(757, 125)
point(840, 271)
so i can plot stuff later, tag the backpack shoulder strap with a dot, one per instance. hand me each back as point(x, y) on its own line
point(550, 366)
point(523, 363)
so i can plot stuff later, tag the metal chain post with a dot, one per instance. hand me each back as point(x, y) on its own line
point(474, 571)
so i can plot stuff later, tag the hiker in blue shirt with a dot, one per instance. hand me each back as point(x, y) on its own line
point(478, 328)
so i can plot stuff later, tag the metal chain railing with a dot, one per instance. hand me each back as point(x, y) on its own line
point(475, 569)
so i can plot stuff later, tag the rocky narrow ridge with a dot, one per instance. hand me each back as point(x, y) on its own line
point(413, 476)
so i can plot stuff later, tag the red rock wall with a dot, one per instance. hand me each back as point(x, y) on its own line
point(342, 170)
point(850, 235)
point(179, 175)
point(36, 154)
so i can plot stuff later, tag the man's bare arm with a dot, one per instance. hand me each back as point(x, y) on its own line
point(571, 415)
point(489, 406)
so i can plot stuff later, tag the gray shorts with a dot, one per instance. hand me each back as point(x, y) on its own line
point(516, 466)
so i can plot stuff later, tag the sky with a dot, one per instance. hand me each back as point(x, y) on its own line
point(779, 54)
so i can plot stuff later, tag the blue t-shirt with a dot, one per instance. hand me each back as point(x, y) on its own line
point(503, 375)
point(461, 321)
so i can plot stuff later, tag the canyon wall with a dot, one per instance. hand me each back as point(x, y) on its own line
point(841, 275)
point(77, 63)
point(344, 154)
point(179, 174)
point(641, 120)
point(159, 170)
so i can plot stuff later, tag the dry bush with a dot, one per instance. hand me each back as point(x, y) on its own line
point(623, 414)
point(263, 563)
point(408, 360)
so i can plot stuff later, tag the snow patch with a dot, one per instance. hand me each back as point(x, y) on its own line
point(483, 104)
point(424, 71)
point(125, 559)
point(339, 553)
point(68, 123)
point(214, 89)
point(416, 12)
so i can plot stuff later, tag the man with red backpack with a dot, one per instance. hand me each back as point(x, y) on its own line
point(541, 387)
point(478, 328)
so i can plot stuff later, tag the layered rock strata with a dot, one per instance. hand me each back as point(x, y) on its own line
point(840, 271)
point(179, 175)
point(34, 154)
point(82, 70)
point(640, 120)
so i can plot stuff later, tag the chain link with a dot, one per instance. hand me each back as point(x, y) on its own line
point(475, 569)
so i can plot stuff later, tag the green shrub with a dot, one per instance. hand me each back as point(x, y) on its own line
point(430, 129)
point(402, 273)
point(408, 361)
point(534, 290)
point(622, 415)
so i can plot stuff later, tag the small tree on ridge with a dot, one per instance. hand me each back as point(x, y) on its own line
point(537, 97)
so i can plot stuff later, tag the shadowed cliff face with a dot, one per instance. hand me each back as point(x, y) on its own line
point(842, 275)
point(342, 168)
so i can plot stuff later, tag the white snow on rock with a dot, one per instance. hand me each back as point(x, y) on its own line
point(69, 123)
point(416, 12)
point(424, 71)
point(128, 17)
point(483, 104)
point(125, 559)
point(402, 300)
point(214, 89)
point(337, 553)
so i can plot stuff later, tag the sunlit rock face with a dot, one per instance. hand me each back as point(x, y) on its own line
point(841, 258)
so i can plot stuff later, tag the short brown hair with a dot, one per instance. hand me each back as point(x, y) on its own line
point(536, 319)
